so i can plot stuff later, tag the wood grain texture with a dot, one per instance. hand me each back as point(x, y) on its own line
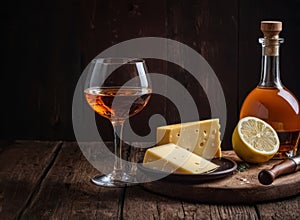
point(200, 211)
point(237, 188)
point(67, 193)
point(284, 209)
point(107, 23)
point(50, 180)
point(211, 31)
point(59, 68)
point(40, 69)
point(22, 167)
point(4, 143)
point(159, 207)
point(47, 45)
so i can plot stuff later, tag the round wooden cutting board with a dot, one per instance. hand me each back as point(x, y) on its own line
point(239, 187)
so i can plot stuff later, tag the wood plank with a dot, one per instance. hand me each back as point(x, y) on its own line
point(48, 72)
point(60, 62)
point(196, 211)
point(213, 32)
point(285, 209)
point(67, 193)
point(141, 204)
point(160, 207)
point(107, 23)
point(5, 143)
point(137, 200)
point(22, 166)
point(243, 185)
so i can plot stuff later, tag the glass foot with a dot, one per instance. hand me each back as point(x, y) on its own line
point(110, 180)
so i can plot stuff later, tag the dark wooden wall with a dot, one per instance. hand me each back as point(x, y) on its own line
point(45, 46)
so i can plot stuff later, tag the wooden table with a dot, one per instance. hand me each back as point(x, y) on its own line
point(50, 180)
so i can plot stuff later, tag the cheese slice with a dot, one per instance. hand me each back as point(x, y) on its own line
point(200, 137)
point(170, 158)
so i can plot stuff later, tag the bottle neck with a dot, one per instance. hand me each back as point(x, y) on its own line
point(270, 71)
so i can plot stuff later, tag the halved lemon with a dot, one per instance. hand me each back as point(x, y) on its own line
point(254, 140)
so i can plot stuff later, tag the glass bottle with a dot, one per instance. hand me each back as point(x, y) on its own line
point(271, 100)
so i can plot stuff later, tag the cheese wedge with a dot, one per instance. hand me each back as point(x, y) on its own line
point(170, 158)
point(200, 137)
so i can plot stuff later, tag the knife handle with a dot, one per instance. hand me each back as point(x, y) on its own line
point(266, 177)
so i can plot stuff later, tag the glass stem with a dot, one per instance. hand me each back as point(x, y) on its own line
point(118, 167)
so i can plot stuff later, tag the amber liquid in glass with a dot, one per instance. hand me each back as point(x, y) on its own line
point(280, 108)
point(117, 103)
point(271, 101)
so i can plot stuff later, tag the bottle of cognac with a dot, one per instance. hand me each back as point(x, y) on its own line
point(271, 101)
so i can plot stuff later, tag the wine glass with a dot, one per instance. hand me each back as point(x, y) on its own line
point(117, 88)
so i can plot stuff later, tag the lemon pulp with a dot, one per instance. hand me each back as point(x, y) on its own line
point(254, 140)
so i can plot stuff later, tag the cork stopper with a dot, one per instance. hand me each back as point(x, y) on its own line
point(271, 29)
point(271, 40)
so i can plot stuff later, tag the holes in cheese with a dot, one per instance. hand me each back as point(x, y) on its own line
point(172, 158)
point(200, 137)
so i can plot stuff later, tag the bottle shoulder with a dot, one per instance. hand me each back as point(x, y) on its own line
point(271, 93)
point(270, 101)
